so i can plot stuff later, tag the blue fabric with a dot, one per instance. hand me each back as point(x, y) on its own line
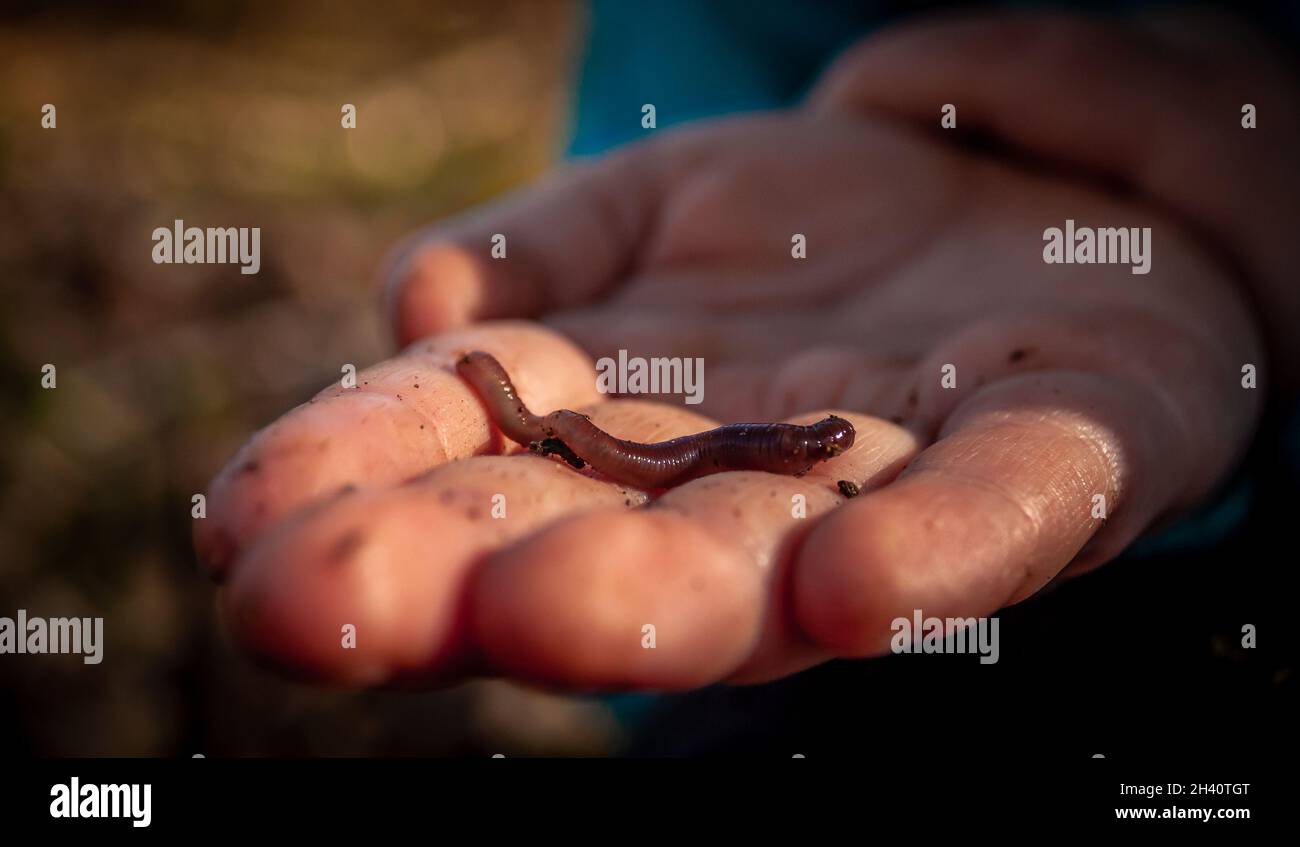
point(693, 59)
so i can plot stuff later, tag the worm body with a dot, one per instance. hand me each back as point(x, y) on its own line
point(779, 448)
point(493, 386)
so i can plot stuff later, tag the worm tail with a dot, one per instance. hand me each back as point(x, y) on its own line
point(493, 386)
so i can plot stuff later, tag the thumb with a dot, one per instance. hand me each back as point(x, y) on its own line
point(563, 242)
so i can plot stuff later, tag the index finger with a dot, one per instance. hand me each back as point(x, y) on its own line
point(403, 417)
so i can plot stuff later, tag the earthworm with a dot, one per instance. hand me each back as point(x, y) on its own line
point(780, 448)
point(492, 384)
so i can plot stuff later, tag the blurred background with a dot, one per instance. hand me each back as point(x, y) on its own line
point(227, 114)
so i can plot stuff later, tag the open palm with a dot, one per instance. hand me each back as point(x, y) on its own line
point(1014, 418)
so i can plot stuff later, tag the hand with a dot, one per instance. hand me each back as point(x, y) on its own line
point(1073, 382)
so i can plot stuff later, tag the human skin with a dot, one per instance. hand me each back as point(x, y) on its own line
point(1072, 381)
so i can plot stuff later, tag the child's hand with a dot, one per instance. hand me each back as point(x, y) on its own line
point(1080, 391)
